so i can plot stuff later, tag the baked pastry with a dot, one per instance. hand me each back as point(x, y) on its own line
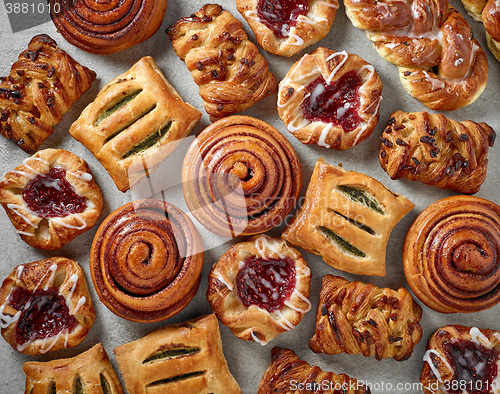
point(440, 62)
point(461, 359)
point(89, 372)
point(51, 198)
point(259, 288)
point(331, 99)
point(240, 177)
point(146, 261)
point(289, 374)
point(134, 123)
point(179, 358)
point(231, 73)
point(42, 86)
point(436, 151)
point(107, 27)
point(347, 218)
point(451, 255)
point(358, 318)
point(45, 306)
point(286, 27)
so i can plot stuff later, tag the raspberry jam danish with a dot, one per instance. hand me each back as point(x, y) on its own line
point(51, 198)
point(259, 288)
point(285, 27)
point(331, 99)
point(45, 306)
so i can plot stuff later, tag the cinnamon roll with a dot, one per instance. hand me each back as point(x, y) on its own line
point(240, 177)
point(451, 255)
point(146, 261)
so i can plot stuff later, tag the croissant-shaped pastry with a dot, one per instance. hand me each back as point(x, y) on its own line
point(358, 318)
point(289, 374)
point(42, 86)
point(436, 150)
point(228, 68)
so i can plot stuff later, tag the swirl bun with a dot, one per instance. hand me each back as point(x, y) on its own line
point(106, 27)
point(451, 255)
point(146, 261)
point(240, 177)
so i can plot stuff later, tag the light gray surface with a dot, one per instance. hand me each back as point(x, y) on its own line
point(247, 360)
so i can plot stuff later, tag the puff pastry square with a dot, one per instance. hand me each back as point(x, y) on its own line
point(180, 358)
point(134, 122)
point(347, 219)
point(90, 372)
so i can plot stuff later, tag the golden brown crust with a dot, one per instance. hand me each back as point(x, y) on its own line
point(107, 28)
point(134, 123)
point(331, 66)
point(307, 29)
point(347, 219)
point(65, 276)
point(255, 323)
point(179, 358)
point(42, 86)
point(159, 234)
point(436, 150)
point(50, 233)
point(231, 74)
point(288, 372)
point(90, 371)
point(358, 318)
point(450, 255)
point(263, 183)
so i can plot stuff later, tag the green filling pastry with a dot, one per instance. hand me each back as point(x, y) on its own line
point(177, 378)
point(361, 197)
point(341, 242)
point(116, 107)
point(151, 140)
point(172, 353)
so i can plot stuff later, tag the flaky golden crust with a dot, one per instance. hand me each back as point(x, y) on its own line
point(146, 261)
point(305, 31)
point(254, 323)
point(107, 27)
point(450, 255)
point(90, 371)
point(134, 123)
point(50, 233)
point(440, 62)
point(331, 66)
point(436, 150)
point(286, 368)
point(347, 218)
point(59, 273)
point(42, 86)
point(358, 318)
point(438, 374)
point(231, 74)
point(178, 359)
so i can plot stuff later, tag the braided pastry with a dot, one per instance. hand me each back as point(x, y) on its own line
point(146, 261)
point(289, 374)
point(228, 68)
point(240, 177)
point(461, 360)
point(107, 26)
point(436, 151)
point(354, 318)
point(42, 86)
point(451, 255)
point(439, 61)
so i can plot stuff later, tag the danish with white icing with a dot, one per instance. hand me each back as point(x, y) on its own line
point(45, 306)
point(260, 288)
point(330, 99)
point(51, 198)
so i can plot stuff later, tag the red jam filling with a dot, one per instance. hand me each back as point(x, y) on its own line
point(475, 367)
point(337, 102)
point(51, 195)
point(279, 15)
point(265, 283)
point(44, 313)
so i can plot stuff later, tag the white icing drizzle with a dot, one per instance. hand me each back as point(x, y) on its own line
point(219, 276)
point(32, 172)
point(477, 337)
point(81, 175)
point(80, 303)
point(298, 40)
point(324, 134)
point(254, 337)
point(303, 298)
point(289, 326)
point(19, 271)
point(52, 270)
point(13, 207)
point(78, 217)
point(336, 69)
point(428, 360)
point(264, 247)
